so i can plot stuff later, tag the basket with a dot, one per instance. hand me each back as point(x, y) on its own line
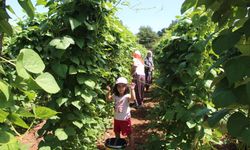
point(116, 143)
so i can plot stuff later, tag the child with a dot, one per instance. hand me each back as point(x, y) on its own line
point(121, 96)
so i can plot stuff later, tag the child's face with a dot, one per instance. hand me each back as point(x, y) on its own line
point(121, 88)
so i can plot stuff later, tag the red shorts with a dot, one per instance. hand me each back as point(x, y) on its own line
point(123, 126)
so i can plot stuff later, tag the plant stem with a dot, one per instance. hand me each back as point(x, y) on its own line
point(9, 61)
point(13, 128)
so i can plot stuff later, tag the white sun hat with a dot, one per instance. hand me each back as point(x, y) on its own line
point(138, 52)
point(121, 80)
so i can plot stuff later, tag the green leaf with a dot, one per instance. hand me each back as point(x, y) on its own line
point(225, 41)
point(5, 136)
point(236, 123)
point(223, 98)
point(14, 118)
point(31, 94)
point(43, 112)
point(84, 80)
point(3, 116)
point(72, 70)
point(187, 4)
point(70, 131)
point(2, 70)
point(41, 2)
point(75, 60)
point(4, 88)
point(74, 23)
point(10, 9)
point(190, 124)
point(77, 104)
point(237, 68)
point(241, 93)
point(87, 97)
point(60, 101)
point(24, 113)
point(20, 68)
point(60, 69)
point(28, 7)
point(47, 82)
point(45, 148)
point(79, 42)
point(78, 124)
point(6, 27)
point(216, 117)
point(89, 26)
point(62, 42)
point(243, 45)
point(32, 61)
point(61, 134)
point(89, 83)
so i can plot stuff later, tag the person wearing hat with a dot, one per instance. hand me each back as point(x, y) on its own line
point(122, 115)
point(149, 67)
point(138, 73)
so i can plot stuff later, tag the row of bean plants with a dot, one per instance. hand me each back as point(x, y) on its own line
point(84, 47)
point(203, 67)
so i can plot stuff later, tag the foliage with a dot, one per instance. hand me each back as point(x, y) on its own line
point(147, 36)
point(232, 46)
point(183, 57)
point(85, 48)
point(20, 87)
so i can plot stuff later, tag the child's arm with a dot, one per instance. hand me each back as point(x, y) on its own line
point(109, 95)
point(132, 90)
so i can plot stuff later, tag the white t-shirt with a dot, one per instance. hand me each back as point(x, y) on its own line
point(122, 109)
point(139, 66)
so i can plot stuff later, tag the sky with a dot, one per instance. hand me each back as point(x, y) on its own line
point(157, 14)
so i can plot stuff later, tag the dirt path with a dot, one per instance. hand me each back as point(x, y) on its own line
point(140, 123)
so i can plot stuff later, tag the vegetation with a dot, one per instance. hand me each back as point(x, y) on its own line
point(147, 37)
point(84, 51)
point(58, 64)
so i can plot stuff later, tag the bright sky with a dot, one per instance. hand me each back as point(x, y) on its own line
point(157, 14)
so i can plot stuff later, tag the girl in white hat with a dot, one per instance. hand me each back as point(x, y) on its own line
point(122, 115)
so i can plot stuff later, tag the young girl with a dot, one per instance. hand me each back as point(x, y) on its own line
point(121, 96)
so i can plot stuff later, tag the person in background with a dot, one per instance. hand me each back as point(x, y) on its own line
point(122, 115)
point(149, 67)
point(138, 73)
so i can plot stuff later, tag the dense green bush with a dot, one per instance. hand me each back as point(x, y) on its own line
point(85, 47)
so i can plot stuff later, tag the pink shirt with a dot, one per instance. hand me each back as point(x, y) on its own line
point(122, 109)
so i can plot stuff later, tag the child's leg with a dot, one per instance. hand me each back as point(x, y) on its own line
point(117, 135)
point(131, 141)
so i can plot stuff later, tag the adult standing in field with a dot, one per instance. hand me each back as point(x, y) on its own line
point(149, 67)
point(138, 73)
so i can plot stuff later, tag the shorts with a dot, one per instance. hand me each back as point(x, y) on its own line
point(123, 126)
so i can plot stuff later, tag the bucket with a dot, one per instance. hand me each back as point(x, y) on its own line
point(116, 143)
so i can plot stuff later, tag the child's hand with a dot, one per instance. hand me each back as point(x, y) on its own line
point(108, 88)
point(132, 86)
